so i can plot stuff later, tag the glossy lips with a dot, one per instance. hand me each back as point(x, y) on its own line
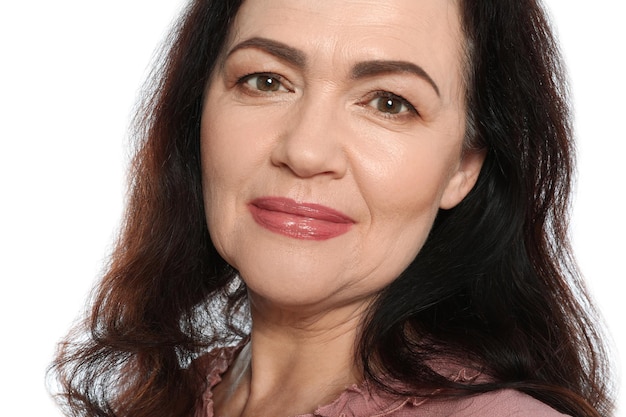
point(299, 220)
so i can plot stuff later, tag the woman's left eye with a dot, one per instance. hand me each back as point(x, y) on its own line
point(391, 104)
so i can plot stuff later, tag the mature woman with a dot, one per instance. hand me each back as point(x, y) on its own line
point(346, 208)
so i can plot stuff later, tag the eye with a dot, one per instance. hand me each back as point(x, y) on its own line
point(391, 104)
point(267, 83)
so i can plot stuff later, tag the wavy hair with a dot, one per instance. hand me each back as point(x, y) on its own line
point(495, 284)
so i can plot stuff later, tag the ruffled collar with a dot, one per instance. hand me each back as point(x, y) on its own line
point(358, 400)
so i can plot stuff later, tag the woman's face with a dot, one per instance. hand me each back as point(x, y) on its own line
point(331, 134)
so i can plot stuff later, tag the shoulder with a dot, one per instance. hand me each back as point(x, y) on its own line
point(502, 403)
point(369, 402)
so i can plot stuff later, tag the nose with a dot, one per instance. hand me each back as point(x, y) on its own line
point(310, 143)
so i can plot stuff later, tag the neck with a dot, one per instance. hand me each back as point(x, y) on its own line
point(294, 362)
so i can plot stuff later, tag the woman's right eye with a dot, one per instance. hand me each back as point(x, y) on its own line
point(267, 83)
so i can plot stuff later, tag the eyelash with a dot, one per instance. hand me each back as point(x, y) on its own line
point(406, 106)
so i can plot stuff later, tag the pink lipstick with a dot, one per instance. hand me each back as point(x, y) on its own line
point(299, 220)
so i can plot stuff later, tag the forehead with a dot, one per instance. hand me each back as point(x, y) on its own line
point(343, 32)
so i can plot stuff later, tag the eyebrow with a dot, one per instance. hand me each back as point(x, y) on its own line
point(285, 52)
point(363, 69)
point(372, 68)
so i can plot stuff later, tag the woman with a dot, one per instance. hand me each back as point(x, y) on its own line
point(356, 208)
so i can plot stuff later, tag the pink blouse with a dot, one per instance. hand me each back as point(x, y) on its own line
point(359, 401)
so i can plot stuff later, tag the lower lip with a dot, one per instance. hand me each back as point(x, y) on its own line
point(299, 221)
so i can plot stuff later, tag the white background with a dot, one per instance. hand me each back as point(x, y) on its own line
point(69, 77)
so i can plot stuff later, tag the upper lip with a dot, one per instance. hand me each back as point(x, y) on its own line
point(309, 210)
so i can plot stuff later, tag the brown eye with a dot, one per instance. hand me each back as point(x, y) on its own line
point(264, 82)
point(391, 104)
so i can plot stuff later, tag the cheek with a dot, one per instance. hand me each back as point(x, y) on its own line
point(235, 148)
point(406, 186)
point(223, 170)
point(235, 143)
point(402, 192)
point(224, 150)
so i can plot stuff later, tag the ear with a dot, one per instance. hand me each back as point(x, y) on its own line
point(463, 180)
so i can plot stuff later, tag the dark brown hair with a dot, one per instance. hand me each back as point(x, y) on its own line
point(495, 283)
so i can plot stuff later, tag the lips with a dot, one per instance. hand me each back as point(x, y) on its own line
point(299, 220)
